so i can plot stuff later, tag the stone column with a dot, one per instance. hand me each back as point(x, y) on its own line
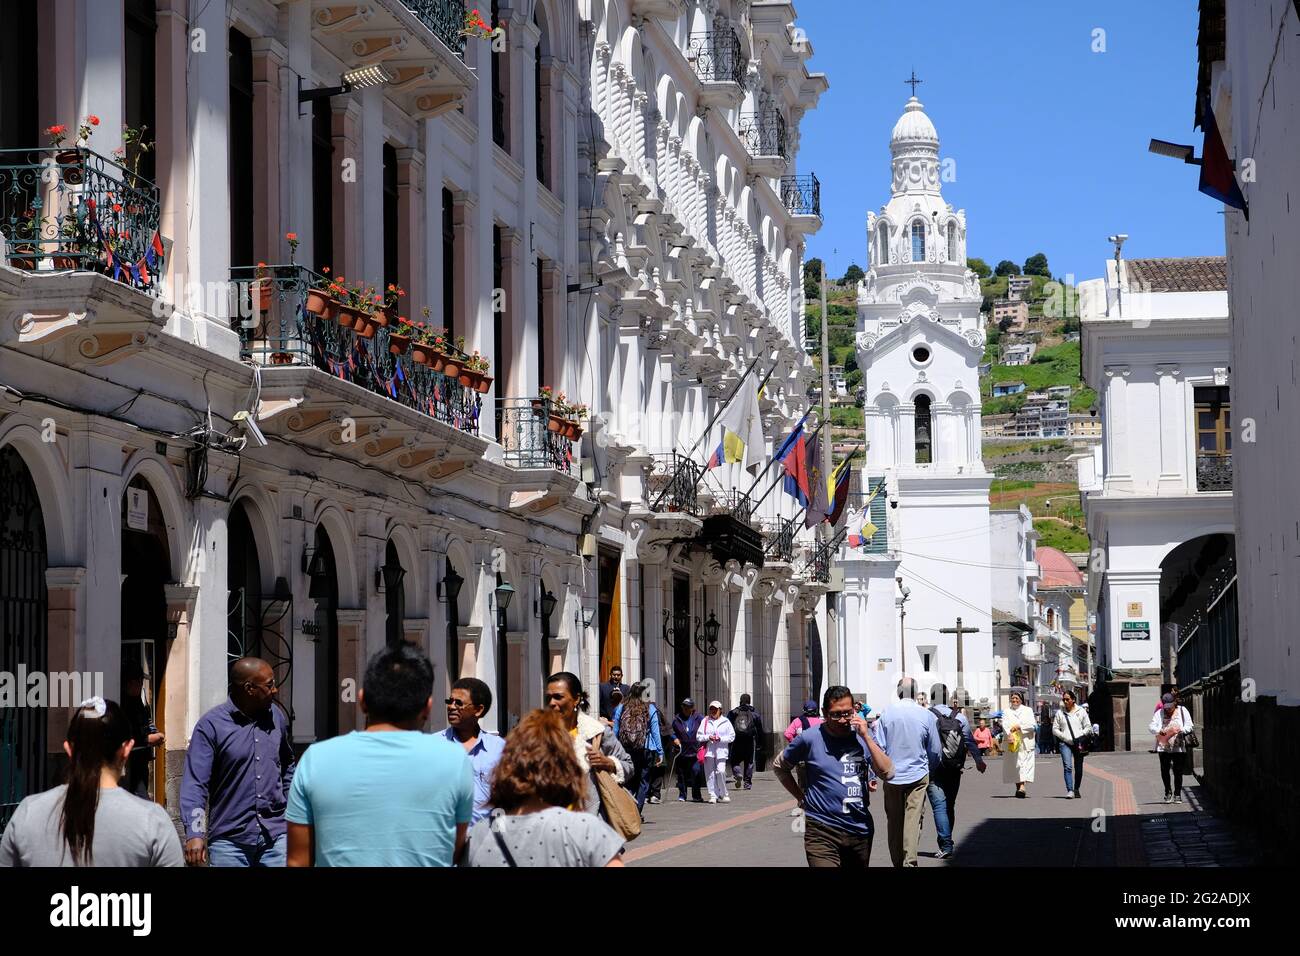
point(172, 142)
point(346, 177)
point(1119, 465)
point(466, 266)
point(63, 589)
point(103, 72)
point(174, 720)
point(412, 227)
point(269, 57)
point(370, 168)
point(512, 708)
point(512, 367)
point(352, 649)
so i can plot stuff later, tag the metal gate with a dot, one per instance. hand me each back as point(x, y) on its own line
point(23, 611)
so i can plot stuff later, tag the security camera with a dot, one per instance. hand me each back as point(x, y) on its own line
point(249, 425)
point(907, 592)
point(893, 502)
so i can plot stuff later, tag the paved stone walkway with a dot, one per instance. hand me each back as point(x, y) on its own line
point(1120, 820)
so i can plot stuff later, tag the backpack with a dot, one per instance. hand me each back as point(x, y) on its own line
point(952, 740)
point(744, 722)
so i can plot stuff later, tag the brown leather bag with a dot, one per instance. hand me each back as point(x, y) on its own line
point(619, 806)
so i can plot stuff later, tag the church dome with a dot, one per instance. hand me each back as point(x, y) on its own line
point(914, 126)
point(1058, 570)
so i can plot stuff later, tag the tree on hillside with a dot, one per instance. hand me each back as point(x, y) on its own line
point(854, 274)
point(812, 269)
point(1005, 324)
point(979, 267)
point(1036, 265)
point(1007, 268)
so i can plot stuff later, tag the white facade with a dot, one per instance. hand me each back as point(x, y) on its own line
point(1146, 489)
point(1256, 104)
point(920, 342)
point(626, 234)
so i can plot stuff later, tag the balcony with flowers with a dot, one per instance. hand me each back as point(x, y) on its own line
point(415, 47)
point(540, 432)
point(64, 208)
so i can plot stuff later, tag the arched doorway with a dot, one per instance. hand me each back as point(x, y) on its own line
point(146, 572)
point(324, 590)
point(24, 759)
point(393, 576)
point(244, 582)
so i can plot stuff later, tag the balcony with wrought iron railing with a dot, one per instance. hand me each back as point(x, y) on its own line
point(445, 18)
point(720, 63)
point(534, 434)
point(75, 210)
point(1214, 472)
point(672, 484)
point(278, 316)
point(764, 135)
point(779, 537)
point(728, 531)
point(802, 195)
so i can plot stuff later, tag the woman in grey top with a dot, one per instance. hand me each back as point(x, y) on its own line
point(91, 820)
point(536, 780)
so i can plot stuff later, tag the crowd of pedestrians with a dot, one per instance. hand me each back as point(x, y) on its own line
point(562, 788)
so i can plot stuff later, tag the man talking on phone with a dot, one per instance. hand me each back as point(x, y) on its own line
point(838, 829)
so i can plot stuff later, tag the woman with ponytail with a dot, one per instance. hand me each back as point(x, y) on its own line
point(92, 820)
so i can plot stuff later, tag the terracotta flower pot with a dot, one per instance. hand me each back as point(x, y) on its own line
point(421, 354)
point(451, 367)
point(24, 257)
point(66, 262)
point(484, 384)
point(573, 431)
point(345, 315)
point(281, 358)
point(556, 424)
point(72, 160)
point(437, 361)
point(469, 378)
point(262, 295)
point(398, 343)
point(378, 318)
point(318, 303)
point(364, 327)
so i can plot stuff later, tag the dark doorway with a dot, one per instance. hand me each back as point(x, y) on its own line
point(682, 638)
point(323, 572)
point(608, 619)
point(322, 185)
point(24, 610)
point(146, 572)
point(394, 578)
point(140, 42)
point(19, 41)
point(244, 584)
point(240, 185)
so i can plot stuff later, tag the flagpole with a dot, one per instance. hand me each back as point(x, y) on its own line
point(718, 414)
point(773, 461)
point(770, 464)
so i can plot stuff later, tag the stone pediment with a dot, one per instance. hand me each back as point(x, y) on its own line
point(919, 322)
point(919, 289)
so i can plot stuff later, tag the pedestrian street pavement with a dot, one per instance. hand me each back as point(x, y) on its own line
point(1120, 820)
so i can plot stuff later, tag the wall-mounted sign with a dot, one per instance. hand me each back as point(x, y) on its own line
point(1134, 609)
point(137, 509)
point(1135, 631)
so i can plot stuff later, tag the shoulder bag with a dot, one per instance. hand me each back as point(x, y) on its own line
point(619, 806)
point(1082, 744)
point(1189, 737)
point(501, 843)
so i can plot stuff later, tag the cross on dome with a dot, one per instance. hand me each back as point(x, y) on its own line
point(913, 83)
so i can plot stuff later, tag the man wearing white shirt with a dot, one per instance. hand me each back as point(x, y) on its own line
point(911, 736)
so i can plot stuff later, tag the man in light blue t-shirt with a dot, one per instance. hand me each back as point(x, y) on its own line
point(389, 795)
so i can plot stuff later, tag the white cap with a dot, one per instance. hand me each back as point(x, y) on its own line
point(715, 703)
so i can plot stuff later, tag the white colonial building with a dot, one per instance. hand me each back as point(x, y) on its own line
point(199, 462)
point(1157, 491)
point(920, 342)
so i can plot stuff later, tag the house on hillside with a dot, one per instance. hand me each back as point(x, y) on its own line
point(1015, 310)
point(1018, 354)
point(1086, 427)
point(1059, 391)
point(984, 368)
point(1007, 388)
point(1040, 417)
point(1017, 286)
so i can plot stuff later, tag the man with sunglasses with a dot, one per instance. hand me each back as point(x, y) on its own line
point(238, 769)
point(469, 703)
point(836, 756)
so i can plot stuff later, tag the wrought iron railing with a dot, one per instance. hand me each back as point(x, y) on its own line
point(764, 133)
point(737, 504)
point(780, 539)
point(1214, 472)
point(802, 195)
point(270, 313)
point(673, 483)
point(531, 433)
point(72, 209)
point(1212, 645)
point(446, 18)
point(823, 556)
point(717, 56)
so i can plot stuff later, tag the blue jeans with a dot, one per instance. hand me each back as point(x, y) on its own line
point(265, 853)
point(643, 763)
point(1073, 766)
point(942, 792)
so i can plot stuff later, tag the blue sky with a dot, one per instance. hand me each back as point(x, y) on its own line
point(1050, 138)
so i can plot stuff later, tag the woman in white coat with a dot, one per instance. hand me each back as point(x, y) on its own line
point(716, 735)
point(1073, 731)
point(1020, 725)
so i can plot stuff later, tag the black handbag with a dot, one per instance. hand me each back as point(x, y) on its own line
point(1081, 746)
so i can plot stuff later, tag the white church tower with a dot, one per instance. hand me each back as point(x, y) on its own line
point(919, 344)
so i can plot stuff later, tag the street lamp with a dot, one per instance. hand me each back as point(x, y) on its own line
point(504, 592)
point(548, 603)
point(361, 78)
point(450, 587)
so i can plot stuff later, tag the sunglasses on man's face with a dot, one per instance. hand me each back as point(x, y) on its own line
point(841, 715)
point(457, 704)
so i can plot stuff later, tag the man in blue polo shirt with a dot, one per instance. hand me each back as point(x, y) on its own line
point(469, 703)
point(837, 822)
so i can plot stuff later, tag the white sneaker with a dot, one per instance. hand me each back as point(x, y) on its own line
point(713, 798)
point(727, 799)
